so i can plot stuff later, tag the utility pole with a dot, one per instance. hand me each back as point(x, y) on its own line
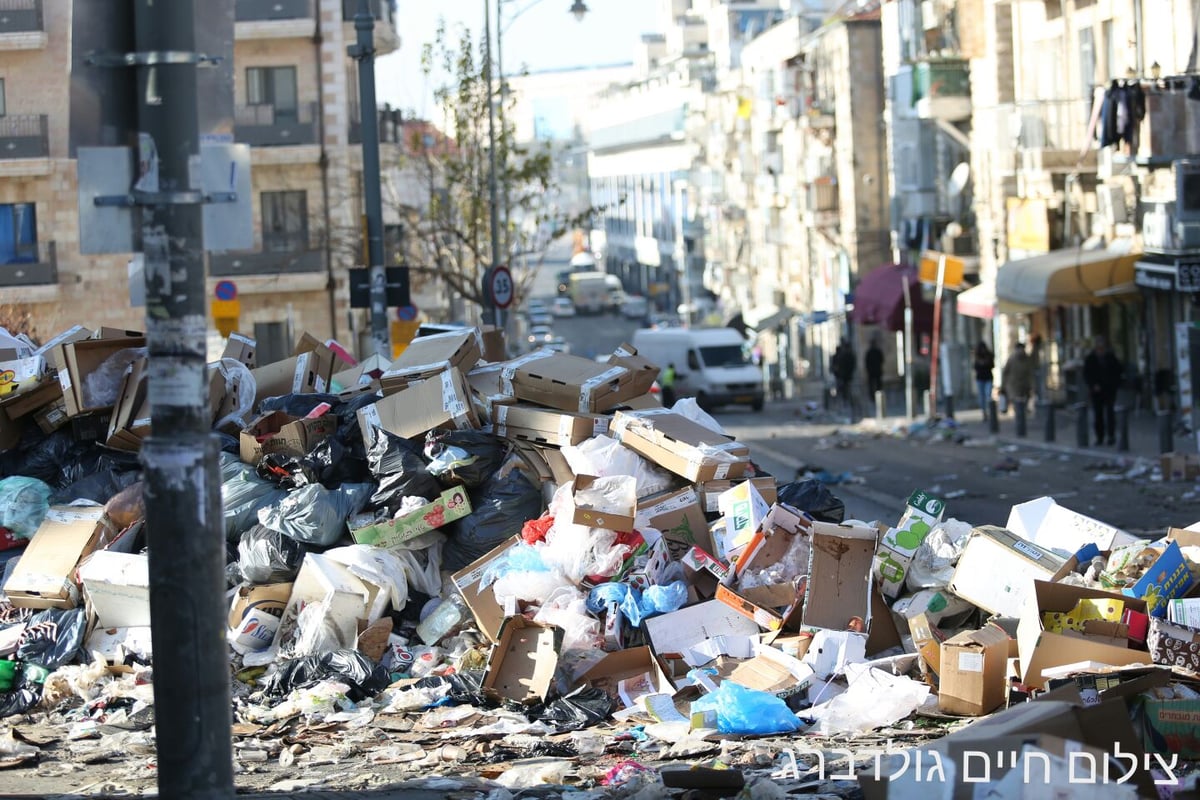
point(363, 51)
point(182, 484)
point(491, 314)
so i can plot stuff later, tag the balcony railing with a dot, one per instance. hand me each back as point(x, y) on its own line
point(1040, 125)
point(941, 78)
point(271, 10)
point(24, 136)
point(266, 125)
point(288, 251)
point(391, 127)
point(384, 10)
point(21, 16)
point(30, 265)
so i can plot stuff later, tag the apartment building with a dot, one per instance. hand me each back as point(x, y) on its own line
point(295, 104)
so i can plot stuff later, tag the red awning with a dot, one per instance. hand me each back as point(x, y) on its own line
point(879, 299)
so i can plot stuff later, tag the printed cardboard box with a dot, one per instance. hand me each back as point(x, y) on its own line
point(783, 534)
point(428, 356)
point(1170, 727)
point(566, 382)
point(680, 518)
point(278, 432)
point(1047, 524)
point(80, 361)
point(440, 402)
point(680, 445)
point(255, 615)
point(899, 544)
point(44, 576)
point(22, 375)
point(1174, 645)
point(744, 510)
point(703, 572)
point(451, 505)
point(711, 491)
point(649, 568)
point(616, 670)
point(972, 672)
point(546, 426)
point(1167, 578)
point(997, 568)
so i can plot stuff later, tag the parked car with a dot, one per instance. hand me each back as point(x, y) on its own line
point(563, 307)
point(541, 318)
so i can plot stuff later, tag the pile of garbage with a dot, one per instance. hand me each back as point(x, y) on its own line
point(539, 538)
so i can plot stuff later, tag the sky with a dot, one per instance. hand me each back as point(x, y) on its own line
point(537, 34)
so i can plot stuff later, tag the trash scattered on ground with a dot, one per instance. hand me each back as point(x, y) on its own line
point(530, 572)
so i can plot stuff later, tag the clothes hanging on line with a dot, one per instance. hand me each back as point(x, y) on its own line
point(1121, 113)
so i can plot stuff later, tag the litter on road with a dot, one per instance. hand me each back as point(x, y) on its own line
point(529, 573)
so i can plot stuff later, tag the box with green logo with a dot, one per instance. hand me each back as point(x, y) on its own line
point(680, 517)
point(899, 544)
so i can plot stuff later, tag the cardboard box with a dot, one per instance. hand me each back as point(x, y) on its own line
point(440, 402)
point(674, 633)
point(242, 349)
point(52, 417)
point(492, 343)
point(839, 570)
point(304, 373)
point(1184, 612)
point(489, 615)
point(566, 382)
point(116, 586)
point(710, 491)
point(680, 445)
point(52, 349)
point(21, 375)
point(1053, 527)
point(744, 509)
point(1168, 578)
point(1040, 649)
point(767, 617)
point(649, 568)
point(453, 504)
point(44, 577)
point(609, 503)
point(783, 533)
point(679, 516)
point(278, 432)
point(46, 393)
point(427, 356)
point(130, 420)
point(1170, 727)
point(615, 669)
point(1174, 644)
point(1180, 466)
point(82, 359)
point(487, 391)
point(644, 372)
point(255, 615)
point(523, 661)
point(116, 333)
point(703, 572)
point(546, 426)
point(997, 568)
point(972, 671)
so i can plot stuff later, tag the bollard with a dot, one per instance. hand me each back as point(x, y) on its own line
point(1046, 412)
point(993, 417)
point(1122, 412)
point(1166, 431)
point(828, 398)
point(1081, 424)
point(879, 405)
point(925, 409)
point(948, 404)
point(1019, 410)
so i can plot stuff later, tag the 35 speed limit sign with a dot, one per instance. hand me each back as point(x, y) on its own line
point(501, 287)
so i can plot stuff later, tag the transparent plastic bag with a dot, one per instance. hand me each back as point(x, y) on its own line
point(239, 381)
point(874, 699)
point(688, 407)
point(747, 711)
point(611, 493)
point(932, 566)
point(102, 384)
point(602, 456)
point(23, 505)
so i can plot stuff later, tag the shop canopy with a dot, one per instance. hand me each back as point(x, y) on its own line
point(1063, 278)
point(879, 299)
point(978, 301)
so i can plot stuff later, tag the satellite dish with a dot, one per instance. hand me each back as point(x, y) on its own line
point(959, 178)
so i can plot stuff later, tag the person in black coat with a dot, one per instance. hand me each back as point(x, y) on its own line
point(1102, 374)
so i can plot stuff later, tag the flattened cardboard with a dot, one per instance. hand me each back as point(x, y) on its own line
point(46, 393)
point(567, 382)
point(116, 587)
point(1040, 649)
point(972, 672)
point(997, 568)
point(489, 615)
point(451, 505)
point(680, 445)
point(545, 426)
point(679, 516)
point(81, 359)
point(427, 356)
point(129, 423)
point(523, 661)
point(623, 665)
point(278, 432)
point(440, 402)
point(1047, 524)
point(614, 518)
point(674, 633)
point(839, 569)
point(711, 491)
point(644, 371)
point(44, 576)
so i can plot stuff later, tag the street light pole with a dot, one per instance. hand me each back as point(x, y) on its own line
point(491, 314)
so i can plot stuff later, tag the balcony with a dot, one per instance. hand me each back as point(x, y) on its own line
point(1039, 136)
point(384, 12)
point(941, 89)
point(31, 265)
point(274, 19)
point(21, 25)
point(24, 136)
point(391, 126)
point(264, 126)
point(292, 252)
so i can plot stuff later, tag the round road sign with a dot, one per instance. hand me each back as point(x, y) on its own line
point(226, 290)
point(501, 287)
point(406, 313)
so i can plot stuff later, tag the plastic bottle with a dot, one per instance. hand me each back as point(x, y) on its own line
point(443, 619)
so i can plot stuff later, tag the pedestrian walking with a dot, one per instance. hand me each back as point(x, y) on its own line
point(842, 365)
point(667, 384)
point(1017, 377)
point(873, 361)
point(1102, 373)
point(985, 370)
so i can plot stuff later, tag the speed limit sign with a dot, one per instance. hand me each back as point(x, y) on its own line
point(501, 287)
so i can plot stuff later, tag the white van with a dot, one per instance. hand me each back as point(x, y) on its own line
point(711, 364)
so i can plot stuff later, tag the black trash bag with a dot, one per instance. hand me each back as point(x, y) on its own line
point(285, 471)
point(99, 487)
point(316, 515)
point(466, 688)
point(229, 444)
point(243, 493)
point(268, 556)
point(484, 454)
point(582, 708)
point(400, 469)
point(40, 456)
point(297, 405)
point(347, 414)
point(52, 638)
point(498, 512)
point(18, 701)
point(814, 497)
point(330, 464)
point(88, 459)
point(364, 677)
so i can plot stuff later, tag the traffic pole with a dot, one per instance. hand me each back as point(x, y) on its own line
point(363, 51)
point(491, 314)
point(192, 705)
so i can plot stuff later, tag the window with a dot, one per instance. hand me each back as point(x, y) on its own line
point(18, 233)
point(1087, 62)
point(3, 99)
point(284, 221)
point(272, 86)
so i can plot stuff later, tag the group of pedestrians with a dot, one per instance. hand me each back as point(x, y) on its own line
point(1020, 380)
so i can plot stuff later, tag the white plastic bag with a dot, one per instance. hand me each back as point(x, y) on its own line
point(240, 381)
point(932, 566)
point(602, 456)
point(688, 407)
point(378, 567)
point(873, 700)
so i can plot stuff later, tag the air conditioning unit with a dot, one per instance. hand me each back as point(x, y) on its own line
point(1158, 231)
point(1187, 235)
point(1187, 190)
point(1110, 204)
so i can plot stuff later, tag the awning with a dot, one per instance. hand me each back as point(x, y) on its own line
point(1062, 278)
point(978, 301)
point(764, 319)
point(879, 299)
